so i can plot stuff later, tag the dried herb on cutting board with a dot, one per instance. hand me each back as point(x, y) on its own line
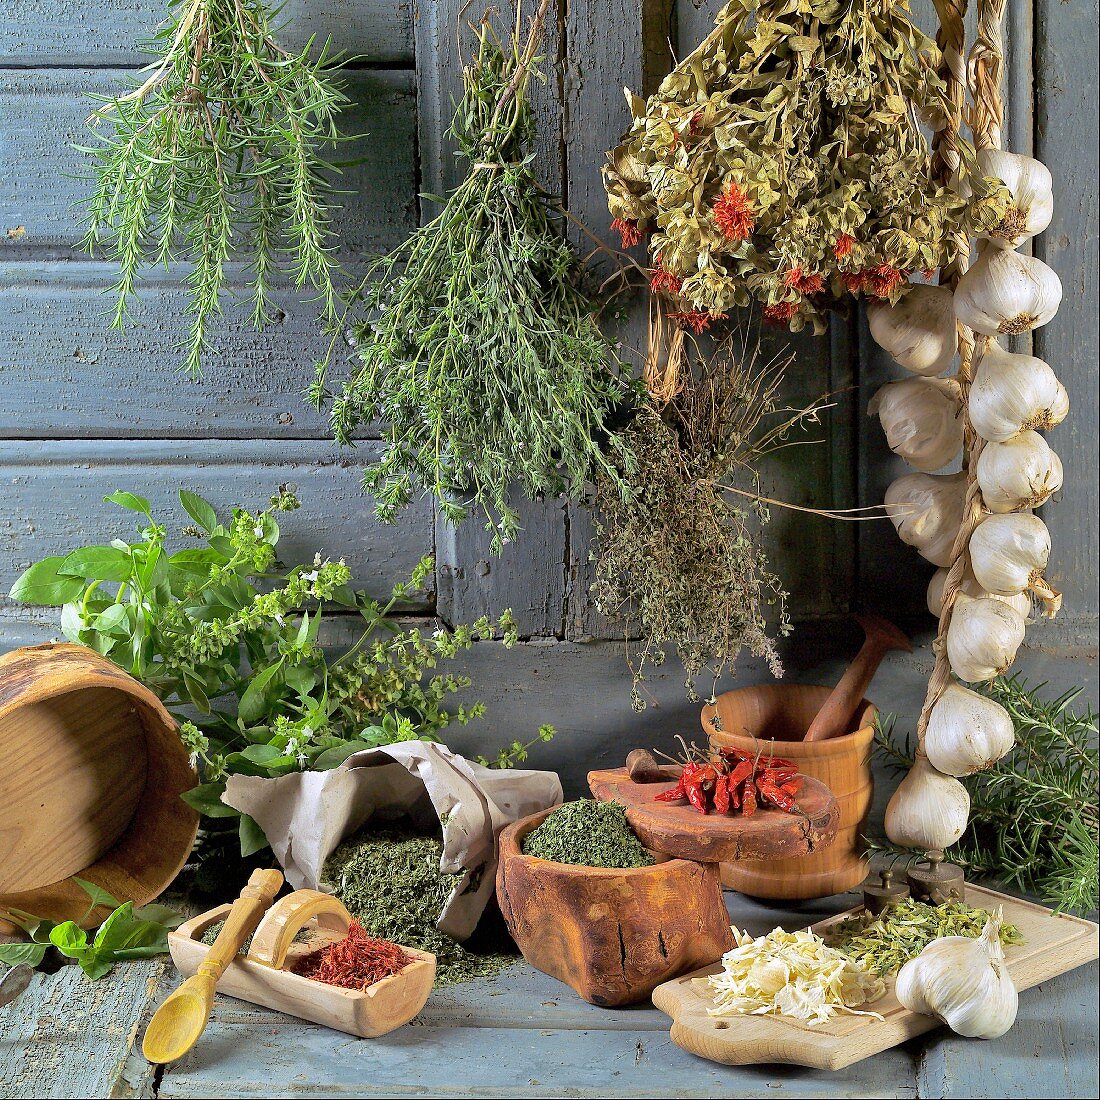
point(588, 833)
point(391, 882)
point(220, 146)
point(885, 942)
point(478, 346)
point(1034, 814)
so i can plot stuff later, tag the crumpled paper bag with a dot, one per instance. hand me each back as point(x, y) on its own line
point(307, 814)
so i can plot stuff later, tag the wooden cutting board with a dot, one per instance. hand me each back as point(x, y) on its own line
point(1053, 944)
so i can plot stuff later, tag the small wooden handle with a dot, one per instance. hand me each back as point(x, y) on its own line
point(287, 917)
point(255, 900)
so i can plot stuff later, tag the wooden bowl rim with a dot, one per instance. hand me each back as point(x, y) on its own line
point(512, 834)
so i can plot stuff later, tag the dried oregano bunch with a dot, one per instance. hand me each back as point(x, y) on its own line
point(783, 161)
point(681, 555)
point(219, 149)
point(480, 348)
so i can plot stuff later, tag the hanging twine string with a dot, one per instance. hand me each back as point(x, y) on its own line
point(983, 74)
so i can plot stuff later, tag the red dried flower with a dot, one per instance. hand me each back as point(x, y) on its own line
point(698, 320)
point(733, 214)
point(781, 313)
point(694, 124)
point(843, 246)
point(883, 280)
point(665, 282)
point(628, 230)
point(854, 281)
point(804, 284)
point(929, 273)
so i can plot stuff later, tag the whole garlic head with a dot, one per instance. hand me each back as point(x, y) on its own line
point(926, 510)
point(970, 587)
point(1008, 554)
point(1014, 393)
point(964, 982)
point(967, 732)
point(1006, 294)
point(920, 417)
point(1032, 189)
point(982, 638)
point(929, 810)
point(920, 330)
point(1021, 472)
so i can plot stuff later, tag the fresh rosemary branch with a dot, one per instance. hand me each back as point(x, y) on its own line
point(220, 148)
point(1033, 815)
point(479, 346)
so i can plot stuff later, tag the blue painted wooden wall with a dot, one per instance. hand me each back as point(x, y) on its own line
point(85, 410)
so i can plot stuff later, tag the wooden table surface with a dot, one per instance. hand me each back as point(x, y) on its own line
point(523, 1034)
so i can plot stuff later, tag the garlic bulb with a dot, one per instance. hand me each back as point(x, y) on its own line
point(1021, 472)
point(983, 638)
point(1014, 393)
point(920, 417)
point(1032, 190)
point(1008, 554)
point(966, 732)
point(964, 982)
point(1006, 293)
point(919, 330)
point(929, 810)
point(927, 509)
point(970, 587)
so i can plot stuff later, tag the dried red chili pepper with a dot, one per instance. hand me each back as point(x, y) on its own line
point(722, 794)
point(748, 798)
point(769, 792)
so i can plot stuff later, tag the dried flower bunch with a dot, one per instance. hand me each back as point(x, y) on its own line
point(783, 161)
point(480, 347)
point(681, 553)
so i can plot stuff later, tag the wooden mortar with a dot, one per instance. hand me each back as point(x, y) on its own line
point(783, 712)
point(613, 935)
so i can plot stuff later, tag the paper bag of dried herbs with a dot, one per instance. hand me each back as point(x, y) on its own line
point(785, 161)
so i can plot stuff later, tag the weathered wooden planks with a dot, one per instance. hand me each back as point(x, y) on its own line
point(67, 32)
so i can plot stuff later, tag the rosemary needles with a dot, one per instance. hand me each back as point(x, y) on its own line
point(220, 148)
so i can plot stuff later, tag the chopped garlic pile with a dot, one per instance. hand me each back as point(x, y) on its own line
point(790, 974)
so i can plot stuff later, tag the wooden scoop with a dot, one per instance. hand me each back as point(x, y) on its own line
point(835, 716)
point(176, 1026)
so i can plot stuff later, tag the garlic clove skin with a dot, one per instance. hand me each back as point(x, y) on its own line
point(967, 732)
point(983, 638)
point(1022, 472)
point(1014, 393)
point(1032, 189)
point(919, 331)
point(964, 982)
point(970, 587)
point(920, 417)
point(929, 810)
point(926, 510)
point(1005, 294)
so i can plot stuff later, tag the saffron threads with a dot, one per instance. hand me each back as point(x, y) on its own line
point(357, 961)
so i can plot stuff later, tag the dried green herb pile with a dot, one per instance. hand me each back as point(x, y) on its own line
point(588, 833)
point(784, 161)
point(884, 943)
point(479, 346)
point(390, 881)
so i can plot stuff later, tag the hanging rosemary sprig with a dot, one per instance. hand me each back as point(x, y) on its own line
point(479, 346)
point(220, 148)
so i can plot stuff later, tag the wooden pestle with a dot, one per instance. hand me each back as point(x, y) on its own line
point(836, 714)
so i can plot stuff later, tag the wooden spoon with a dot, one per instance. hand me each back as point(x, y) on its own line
point(176, 1026)
point(835, 716)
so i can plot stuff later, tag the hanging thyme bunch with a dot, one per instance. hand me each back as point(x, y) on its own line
point(219, 149)
point(479, 348)
point(784, 161)
point(681, 553)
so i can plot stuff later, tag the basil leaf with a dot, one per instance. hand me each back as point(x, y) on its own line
point(200, 510)
point(15, 954)
point(253, 839)
point(129, 500)
point(42, 584)
point(113, 619)
point(256, 698)
point(206, 798)
point(98, 895)
point(99, 563)
point(333, 757)
point(70, 939)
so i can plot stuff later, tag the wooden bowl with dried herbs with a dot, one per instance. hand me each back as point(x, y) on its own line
point(589, 905)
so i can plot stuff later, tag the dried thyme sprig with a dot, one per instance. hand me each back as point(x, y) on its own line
point(479, 346)
point(220, 148)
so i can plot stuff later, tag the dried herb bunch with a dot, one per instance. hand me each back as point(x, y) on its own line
point(1034, 814)
point(783, 161)
point(681, 553)
point(220, 148)
point(480, 347)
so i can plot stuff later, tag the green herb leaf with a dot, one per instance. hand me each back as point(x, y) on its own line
point(253, 839)
point(254, 701)
point(16, 954)
point(206, 799)
point(130, 500)
point(98, 563)
point(98, 896)
point(200, 510)
point(44, 585)
point(69, 938)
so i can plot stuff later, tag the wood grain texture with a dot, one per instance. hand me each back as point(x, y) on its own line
point(67, 32)
point(43, 111)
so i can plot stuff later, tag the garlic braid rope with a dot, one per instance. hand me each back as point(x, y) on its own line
point(983, 74)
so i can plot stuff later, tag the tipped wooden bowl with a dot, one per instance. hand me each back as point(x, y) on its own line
point(91, 783)
point(783, 712)
point(613, 935)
